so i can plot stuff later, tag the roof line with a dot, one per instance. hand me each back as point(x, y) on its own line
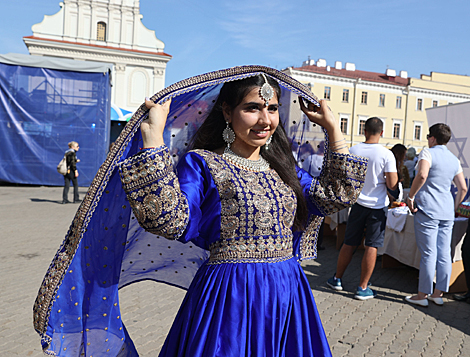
point(99, 46)
point(356, 74)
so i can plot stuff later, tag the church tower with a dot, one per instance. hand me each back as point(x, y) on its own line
point(108, 31)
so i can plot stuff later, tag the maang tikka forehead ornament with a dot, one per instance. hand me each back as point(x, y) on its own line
point(266, 91)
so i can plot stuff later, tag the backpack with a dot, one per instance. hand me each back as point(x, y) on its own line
point(62, 167)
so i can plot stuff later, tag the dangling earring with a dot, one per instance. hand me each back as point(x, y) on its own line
point(268, 142)
point(228, 135)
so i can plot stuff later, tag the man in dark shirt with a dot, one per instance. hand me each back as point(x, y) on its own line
point(72, 173)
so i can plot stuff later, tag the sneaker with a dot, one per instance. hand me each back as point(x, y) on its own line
point(365, 294)
point(335, 283)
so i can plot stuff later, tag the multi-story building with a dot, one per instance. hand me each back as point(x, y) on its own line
point(108, 31)
point(398, 100)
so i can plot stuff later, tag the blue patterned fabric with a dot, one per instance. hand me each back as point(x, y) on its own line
point(187, 228)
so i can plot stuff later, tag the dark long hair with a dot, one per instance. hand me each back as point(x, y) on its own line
point(399, 151)
point(279, 155)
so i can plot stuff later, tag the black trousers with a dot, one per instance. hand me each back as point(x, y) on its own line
point(67, 178)
point(466, 257)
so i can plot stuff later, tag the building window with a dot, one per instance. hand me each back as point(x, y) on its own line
point(362, 126)
point(344, 125)
point(327, 93)
point(364, 98)
point(382, 100)
point(398, 102)
point(346, 95)
point(419, 104)
point(101, 31)
point(435, 103)
point(396, 130)
point(417, 132)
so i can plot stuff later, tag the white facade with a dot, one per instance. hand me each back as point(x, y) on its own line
point(108, 31)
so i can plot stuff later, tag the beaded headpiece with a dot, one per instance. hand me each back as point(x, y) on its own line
point(266, 91)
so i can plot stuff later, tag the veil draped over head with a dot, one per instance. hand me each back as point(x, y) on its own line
point(77, 310)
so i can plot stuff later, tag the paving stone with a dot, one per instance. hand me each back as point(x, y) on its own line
point(368, 339)
point(358, 350)
point(340, 349)
point(348, 340)
point(375, 330)
point(387, 337)
point(422, 335)
point(417, 345)
point(452, 351)
point(378, 349)
point(412, 353)
point(398, 347)
point(393, 328)
point(432, 352)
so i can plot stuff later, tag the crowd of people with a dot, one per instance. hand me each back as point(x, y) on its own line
point(429, 177)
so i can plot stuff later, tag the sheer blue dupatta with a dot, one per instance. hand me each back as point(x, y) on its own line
point(77, 308)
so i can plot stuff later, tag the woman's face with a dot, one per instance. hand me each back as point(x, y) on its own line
point(252, 122)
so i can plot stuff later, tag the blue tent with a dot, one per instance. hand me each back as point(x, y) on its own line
point(45, 103)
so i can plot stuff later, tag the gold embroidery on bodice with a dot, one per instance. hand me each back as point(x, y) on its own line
point(257, 213)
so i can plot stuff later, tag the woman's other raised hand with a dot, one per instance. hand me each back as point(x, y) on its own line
point(324, 117)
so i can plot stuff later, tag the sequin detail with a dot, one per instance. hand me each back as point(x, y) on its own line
point(341, 184)
point(153, 191)
point(258, 210)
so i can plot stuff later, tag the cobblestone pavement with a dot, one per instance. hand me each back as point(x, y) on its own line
point(33, 224)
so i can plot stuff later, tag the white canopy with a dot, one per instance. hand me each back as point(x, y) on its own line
point(64, 64)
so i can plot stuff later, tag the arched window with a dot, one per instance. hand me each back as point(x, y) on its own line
point(101, 31)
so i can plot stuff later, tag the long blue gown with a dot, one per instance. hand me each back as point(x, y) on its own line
point(251, 297)
point(247, 295)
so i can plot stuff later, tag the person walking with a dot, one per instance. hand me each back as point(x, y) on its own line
point(370, 211)
point(430, 199)
point(72, 173)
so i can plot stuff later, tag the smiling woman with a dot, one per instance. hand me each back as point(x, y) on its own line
point(253, 123)
point(231, 224)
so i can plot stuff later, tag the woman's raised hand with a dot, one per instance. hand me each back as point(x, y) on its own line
point(152, 127)
point(325, 118)
point(321, 116)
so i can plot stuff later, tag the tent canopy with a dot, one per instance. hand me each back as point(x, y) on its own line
point(45, 103)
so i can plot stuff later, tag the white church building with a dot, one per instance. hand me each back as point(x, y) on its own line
point(108, 31)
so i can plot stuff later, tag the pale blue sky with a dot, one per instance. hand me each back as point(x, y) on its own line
point(413, 35)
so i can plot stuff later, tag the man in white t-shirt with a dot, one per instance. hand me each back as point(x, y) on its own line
point(370, 211)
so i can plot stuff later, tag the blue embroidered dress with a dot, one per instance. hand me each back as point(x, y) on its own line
point(222, 232)
point(251, 297)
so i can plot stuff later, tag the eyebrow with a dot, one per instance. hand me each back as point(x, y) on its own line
point(259, 104)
